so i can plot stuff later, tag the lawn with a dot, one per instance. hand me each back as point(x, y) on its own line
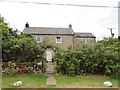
point(39, 81)
point(90, 81)
point(29, 81)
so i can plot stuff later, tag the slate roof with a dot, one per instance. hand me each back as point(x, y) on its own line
point(48, 31)
point(84, 35)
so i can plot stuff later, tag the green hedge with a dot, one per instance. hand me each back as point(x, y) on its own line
point(101, 58)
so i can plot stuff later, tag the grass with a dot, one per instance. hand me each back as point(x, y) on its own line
point(90, 81)
point(39, 81)
point(29, 81)
point(0, 82)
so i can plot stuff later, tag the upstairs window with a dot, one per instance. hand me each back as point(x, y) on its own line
point(38, 39)
point(58, 40)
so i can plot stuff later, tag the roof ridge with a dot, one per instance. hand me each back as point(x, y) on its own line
point(50, 27)
point(82, 32)
point(48, 30)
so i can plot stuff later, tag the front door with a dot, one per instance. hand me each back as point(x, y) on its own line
point(49, 55)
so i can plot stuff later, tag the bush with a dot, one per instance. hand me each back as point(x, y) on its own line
point(12, 68)
point(102, 58)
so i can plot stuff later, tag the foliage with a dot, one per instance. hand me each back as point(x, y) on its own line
point(12, 68)
point(63, 81)
point(102, 58)
point(22, 49)
point(4, 28)
point(29, 81)
point(18, 47)
point(94, 81)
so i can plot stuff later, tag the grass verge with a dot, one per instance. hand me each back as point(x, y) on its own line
point(29, 81)
point(63, 81)
point(90, 81)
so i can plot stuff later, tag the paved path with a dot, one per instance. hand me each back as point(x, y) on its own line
point(50, 71)
point(51, 80)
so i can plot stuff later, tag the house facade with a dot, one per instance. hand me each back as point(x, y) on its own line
point(63, 38)
point(59, 37)
point(83, 38)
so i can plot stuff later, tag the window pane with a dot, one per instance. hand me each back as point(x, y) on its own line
point(39, 39)
point(58, 40)
point(84, 41)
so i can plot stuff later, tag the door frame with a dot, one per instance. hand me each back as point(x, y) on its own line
point(46, 52)
point(48, 55)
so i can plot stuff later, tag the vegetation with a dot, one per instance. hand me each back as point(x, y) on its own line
point(63, 81)
point(29, 81)
point(17, 46)
point(101, 58)
point(21, 53)
point(88, 81)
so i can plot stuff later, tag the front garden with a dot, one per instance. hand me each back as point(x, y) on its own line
point(63, 81)
point(87, 66)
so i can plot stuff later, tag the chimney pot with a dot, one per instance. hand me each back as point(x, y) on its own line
point(27, 25)
point(70, 26)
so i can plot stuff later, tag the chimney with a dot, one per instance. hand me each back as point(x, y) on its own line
point(70, 26)
point(26, 25)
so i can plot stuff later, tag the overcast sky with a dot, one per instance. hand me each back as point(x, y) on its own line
point(83, 19)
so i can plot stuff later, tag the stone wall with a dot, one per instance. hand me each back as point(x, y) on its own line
point(67, 40)
point(78, 42)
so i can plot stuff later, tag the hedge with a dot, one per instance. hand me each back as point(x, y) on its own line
point(101, 58)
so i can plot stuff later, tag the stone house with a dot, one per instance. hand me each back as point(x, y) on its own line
point(83, 38)
point(63, 38)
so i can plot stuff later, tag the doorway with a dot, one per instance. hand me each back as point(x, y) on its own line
point(49, 55)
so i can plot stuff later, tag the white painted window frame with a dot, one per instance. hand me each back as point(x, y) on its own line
point(84, 40)
point(57, 39)
point(37, 39)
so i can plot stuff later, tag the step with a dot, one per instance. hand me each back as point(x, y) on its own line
point(50, 68)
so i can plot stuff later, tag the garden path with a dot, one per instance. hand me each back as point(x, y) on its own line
point(50, 71)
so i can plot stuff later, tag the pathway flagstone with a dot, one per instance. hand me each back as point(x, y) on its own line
point(51, 80)
point(50, 71)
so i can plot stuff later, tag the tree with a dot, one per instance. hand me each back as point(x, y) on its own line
point(4, 28)
point(18, 47)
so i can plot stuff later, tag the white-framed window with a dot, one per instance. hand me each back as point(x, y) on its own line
point(38, 39)
point(58, 39)
point(84, 41)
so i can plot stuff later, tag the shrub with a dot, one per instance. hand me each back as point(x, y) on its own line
point(102, 58)
point(11, 69)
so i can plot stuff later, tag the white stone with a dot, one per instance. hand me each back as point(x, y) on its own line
point(108, 84)
point(40, 63)
point(18, 83)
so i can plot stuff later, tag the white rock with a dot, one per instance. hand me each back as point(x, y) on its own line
point(40, 63)
point(108, 84)
point(18, 83)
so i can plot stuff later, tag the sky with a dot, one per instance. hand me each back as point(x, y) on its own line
point(96, 20)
